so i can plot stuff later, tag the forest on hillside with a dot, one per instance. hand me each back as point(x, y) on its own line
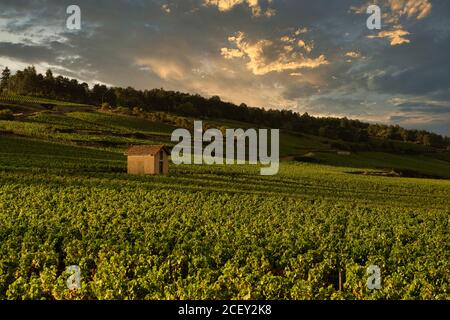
point(29, 82)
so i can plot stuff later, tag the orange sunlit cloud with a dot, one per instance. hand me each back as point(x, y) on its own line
point(258, 63)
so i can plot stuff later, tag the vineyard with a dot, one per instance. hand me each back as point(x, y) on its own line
point(210, 232)
point(19, 99)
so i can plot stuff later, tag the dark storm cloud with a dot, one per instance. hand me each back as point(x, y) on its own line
point(424, 107)
point(420, 67)
point(177, 45)
point(26, 53)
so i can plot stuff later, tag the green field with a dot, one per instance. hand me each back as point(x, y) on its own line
point(20, 99)
point(212, 232)
point(88, 129)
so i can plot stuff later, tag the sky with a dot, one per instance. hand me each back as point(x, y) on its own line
point(307, 56)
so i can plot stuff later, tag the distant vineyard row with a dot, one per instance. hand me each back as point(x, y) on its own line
point(12, 98)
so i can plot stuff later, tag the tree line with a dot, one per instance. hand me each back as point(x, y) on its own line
point(29, 82)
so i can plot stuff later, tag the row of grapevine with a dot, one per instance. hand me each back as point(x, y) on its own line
point(13, 98)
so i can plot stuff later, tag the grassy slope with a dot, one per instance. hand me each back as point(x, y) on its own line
point(88, 128)
point(379, 160)
point(18, 99)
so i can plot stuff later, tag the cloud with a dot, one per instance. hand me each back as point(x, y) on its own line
point(421, 113)
point(254, 5)
point(166, 8)
point(308, 47)
point(421, 105)
point(395, 14)
point(26, 53)
point(395, 10)
point(266, 56)
point(301, 31)
point(397, 37)
point(231, 53)
point(353, 54)
point(418, 9)
point(164, 68)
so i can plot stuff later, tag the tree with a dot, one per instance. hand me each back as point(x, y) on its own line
point(187, 109)
point(49, 75)
point(99, 93)
point(6, 75)
point(215, 99)
point(433, 140)
point(49, 83)
point(28, 82)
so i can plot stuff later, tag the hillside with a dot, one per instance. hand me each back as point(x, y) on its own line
point(114, 129)
point(362, 136)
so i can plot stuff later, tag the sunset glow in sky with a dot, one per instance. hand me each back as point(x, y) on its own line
point(308, 56)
